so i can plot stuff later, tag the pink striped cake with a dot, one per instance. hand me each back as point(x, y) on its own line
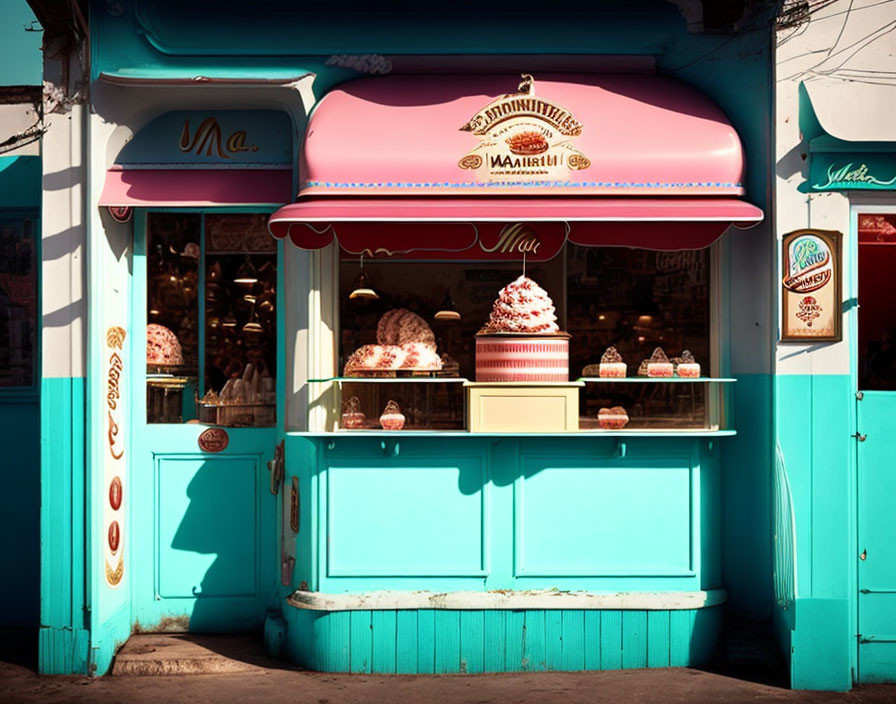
point(520, 357)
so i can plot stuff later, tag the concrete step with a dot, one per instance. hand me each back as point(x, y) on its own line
point(191, 654)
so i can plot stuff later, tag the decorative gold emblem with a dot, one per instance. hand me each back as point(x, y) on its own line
point(114, 575)
point(524, 138)
point(115, 337)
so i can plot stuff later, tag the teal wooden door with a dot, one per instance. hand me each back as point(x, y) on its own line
point(203, 523)
point(876, 421)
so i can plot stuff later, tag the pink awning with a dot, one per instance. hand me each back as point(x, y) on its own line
point(195, 187)
point(582, 134)
point(450, 226)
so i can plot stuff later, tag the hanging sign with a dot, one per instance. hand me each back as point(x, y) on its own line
point(811, 286)
point(523, 137)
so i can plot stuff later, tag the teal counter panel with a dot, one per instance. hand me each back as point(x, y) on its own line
point(408, 520)
point(478, 514)
point(576, 517)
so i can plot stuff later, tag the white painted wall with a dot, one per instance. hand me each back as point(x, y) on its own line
point(845, 54)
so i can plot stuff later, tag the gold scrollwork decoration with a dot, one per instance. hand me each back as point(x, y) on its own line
point(470, 161)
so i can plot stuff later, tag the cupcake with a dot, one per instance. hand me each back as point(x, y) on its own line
point(392, 417)
point(688, 366)
point(659, 365)
point(614, 418)
point(611, 364)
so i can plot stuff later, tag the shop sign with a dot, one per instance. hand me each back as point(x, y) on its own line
point(238, 138)
point(523, 137)
point(536, 242)
point(811, 286)
point(113, 462)
point(213, 440)
point(854, 172)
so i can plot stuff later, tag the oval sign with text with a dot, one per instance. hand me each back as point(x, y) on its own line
point(213, 440)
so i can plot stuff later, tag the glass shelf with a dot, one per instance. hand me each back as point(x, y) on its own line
point(392, 380)
point(655, 379)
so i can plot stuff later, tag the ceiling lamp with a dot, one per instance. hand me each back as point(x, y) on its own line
point(362, 288)
point(246, 274)
point(448, 310)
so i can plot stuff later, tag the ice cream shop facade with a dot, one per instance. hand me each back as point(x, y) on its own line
point(433, 359)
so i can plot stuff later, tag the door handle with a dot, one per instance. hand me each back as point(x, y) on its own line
point(859, 437)
point(275, 467)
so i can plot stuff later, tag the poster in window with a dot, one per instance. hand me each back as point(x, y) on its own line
point(811, 289)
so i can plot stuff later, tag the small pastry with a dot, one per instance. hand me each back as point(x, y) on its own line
point(352, 417)
point(642, 368)
point(659, 365)
point(611, 364)
point(392, 417)
point(688, 366)
point(614, 418)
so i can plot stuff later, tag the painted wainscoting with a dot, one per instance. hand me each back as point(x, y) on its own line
point(473, 641)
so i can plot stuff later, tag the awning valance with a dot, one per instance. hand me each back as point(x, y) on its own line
point(619, 159)
point(193, 158)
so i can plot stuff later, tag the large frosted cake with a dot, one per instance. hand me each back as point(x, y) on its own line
point(521, 340)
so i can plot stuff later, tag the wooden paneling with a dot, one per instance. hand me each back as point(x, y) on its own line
point(444, 641)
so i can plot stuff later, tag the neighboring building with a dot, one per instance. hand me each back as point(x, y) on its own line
point(835, 566)
point(20, 204)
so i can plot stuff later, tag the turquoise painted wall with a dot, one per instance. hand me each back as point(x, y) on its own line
point(816, 413)
point(64, 619)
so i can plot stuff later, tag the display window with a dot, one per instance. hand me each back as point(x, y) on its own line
point(18, 301)
point(211, 319)
point(621, 336)
point(877, 319)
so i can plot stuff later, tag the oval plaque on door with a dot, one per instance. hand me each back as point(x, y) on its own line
point(213, 440)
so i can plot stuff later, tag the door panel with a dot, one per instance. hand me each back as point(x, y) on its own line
point(877, 536)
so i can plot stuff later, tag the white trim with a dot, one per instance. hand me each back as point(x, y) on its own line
point(539, 599)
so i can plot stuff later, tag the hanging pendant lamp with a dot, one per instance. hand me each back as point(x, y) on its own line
point(448, 310)
point(362, 288)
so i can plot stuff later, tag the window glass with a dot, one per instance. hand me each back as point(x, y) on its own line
point(214, 363)
point(18, 301)
point(877, 316)
point(172, 339)
point(633, 300)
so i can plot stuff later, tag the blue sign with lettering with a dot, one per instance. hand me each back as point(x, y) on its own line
point(212, 138)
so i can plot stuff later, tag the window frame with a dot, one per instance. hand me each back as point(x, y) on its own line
point(18, 394)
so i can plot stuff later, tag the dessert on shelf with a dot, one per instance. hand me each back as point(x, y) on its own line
point(404, 342)
point(352, 416)
point(521, 340)
point(611, 364)
point(659, 365)
point(162, 346)
point(392, 418)
point(642, 367)
point(614, 418)
point(688, 366)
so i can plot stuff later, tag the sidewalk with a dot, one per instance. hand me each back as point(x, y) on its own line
point(255, 678)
